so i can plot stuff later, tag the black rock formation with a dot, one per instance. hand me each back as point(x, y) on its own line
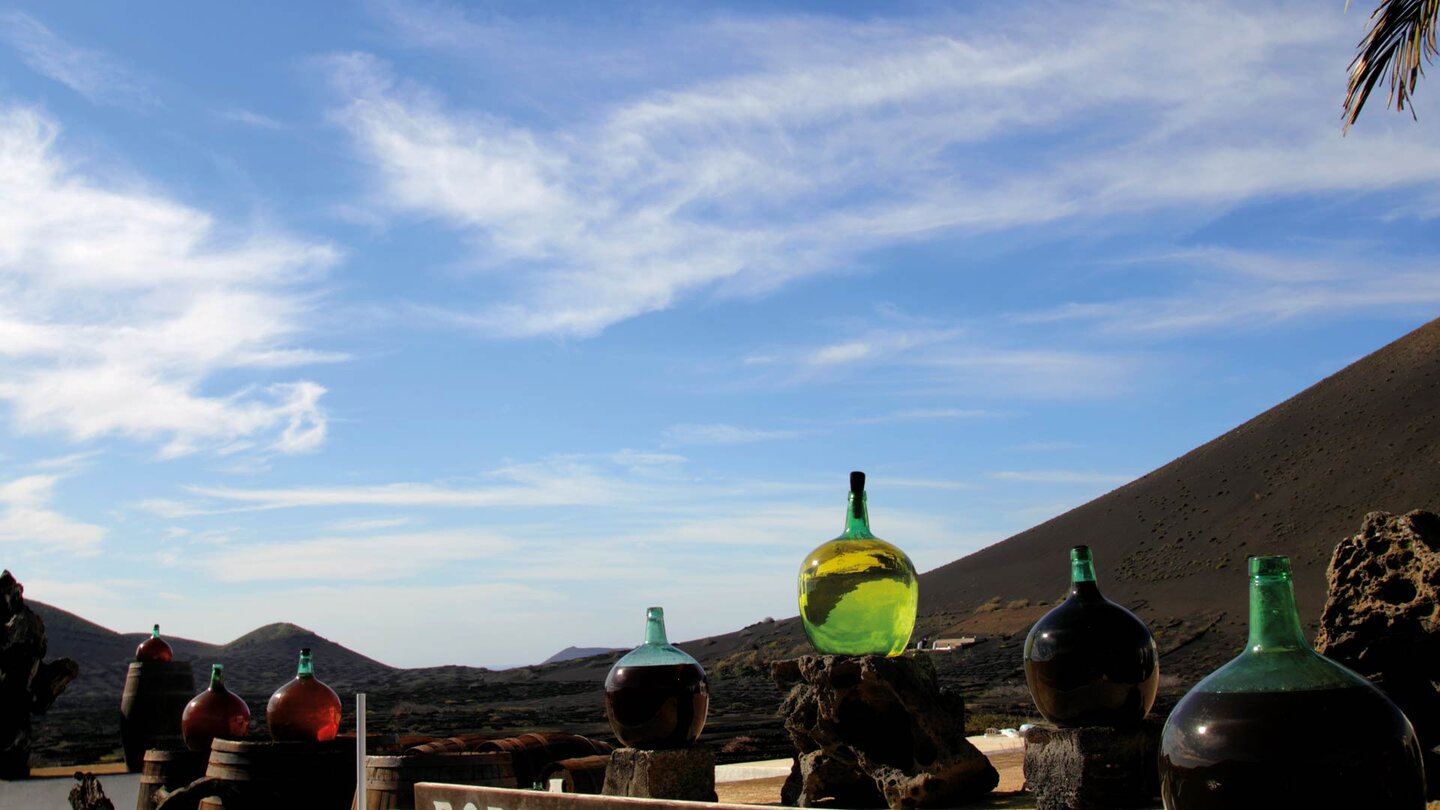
point(28, 685)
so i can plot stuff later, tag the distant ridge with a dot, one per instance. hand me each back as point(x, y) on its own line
point(257, 662)
point(572, 653)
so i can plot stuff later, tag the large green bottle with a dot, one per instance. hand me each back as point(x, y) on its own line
point(858, 593)
point(1283, 726)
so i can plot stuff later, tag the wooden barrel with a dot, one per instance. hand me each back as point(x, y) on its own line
point(150, 707)
point(315, 776)
point(390, 781)
point(212, 803)
point(578, 775)
point(168, 769)
point(530, 753)
point(450, 745)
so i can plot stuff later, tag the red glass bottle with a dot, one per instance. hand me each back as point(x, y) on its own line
point(154, 648)
point(303, 710)
point(216, 712)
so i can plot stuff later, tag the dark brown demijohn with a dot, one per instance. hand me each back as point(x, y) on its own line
point(216, 712)
point(304, 709)
point(656, 696)
point(1089, 661)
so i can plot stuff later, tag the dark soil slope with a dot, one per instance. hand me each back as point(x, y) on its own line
point(1293, 480)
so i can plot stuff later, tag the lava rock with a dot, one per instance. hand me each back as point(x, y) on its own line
point(1382, 617)
point(683, 773)
point(88, 794)
point(876, 731)
point(1093, 768)
point(28, 686)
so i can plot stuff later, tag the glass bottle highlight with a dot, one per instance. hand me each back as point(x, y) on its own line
point(656, 696)
point(304, 709)
point(1283, 726)
point(858, 594)
point(216, 712)
point(1089, 661)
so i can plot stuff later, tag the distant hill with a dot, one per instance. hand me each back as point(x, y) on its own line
point(255, 663)
point(572, 653)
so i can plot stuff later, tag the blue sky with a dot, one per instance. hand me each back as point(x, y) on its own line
point(462, 333)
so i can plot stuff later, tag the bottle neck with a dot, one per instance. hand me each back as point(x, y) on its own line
point(155, 631)
point(1082, 574)
point(857, 517)
point(306, 668)
point(655, 626)
point(1274, 619)
point(217, 677)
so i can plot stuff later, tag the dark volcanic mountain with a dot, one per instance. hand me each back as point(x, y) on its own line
point(1170, 545)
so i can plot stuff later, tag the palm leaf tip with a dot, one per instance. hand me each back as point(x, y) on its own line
point(1401, 39)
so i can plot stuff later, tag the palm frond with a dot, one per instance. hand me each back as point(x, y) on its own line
point(1401, 38)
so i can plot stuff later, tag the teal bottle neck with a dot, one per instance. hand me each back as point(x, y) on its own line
point(1082, 574)
point(307, 666)
point(217, 677)
point(1277, 658)
point(155, 632)
point(655, 626)
point(1274, 618)
point(657, 649)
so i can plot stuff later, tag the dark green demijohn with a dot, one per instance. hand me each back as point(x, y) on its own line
point(1281, 726)
point(1089, 661)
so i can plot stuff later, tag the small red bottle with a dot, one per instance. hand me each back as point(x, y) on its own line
point(154, 648)
point(216, 712)
point(303, 710)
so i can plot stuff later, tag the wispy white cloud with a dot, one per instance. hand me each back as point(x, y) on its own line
point(93, 74)
point(720, 433)
point(739, 184)
point(1060, 477)
point(27, 517)
point(119, 305)
point(1248, 289)
point(250, 118)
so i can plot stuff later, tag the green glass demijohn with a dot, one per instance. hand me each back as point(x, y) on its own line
point(858, 593)
point(1281, 726)
point(1089, 661)
point(656, 696)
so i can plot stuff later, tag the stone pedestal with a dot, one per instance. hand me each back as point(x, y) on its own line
point(876, 731)
point(686, 773)
point(1093, 768)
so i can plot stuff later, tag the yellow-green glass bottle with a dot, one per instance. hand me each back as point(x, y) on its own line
point(858, 593)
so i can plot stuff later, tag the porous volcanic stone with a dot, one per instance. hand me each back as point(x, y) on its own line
point(88, 795)
point(28, 686)
point(683, 773)
point(1093, 768)
point(883, 721)
point(1382, 618)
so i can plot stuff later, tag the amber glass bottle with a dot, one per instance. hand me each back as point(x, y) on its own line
point(858, 594)
point(154, 648)
point(216, 712)
point(1089, 661)
point(656, 696)
point(1282, 726)
point(304, 709)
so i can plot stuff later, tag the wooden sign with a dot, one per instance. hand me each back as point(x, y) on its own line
point(434, 796)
